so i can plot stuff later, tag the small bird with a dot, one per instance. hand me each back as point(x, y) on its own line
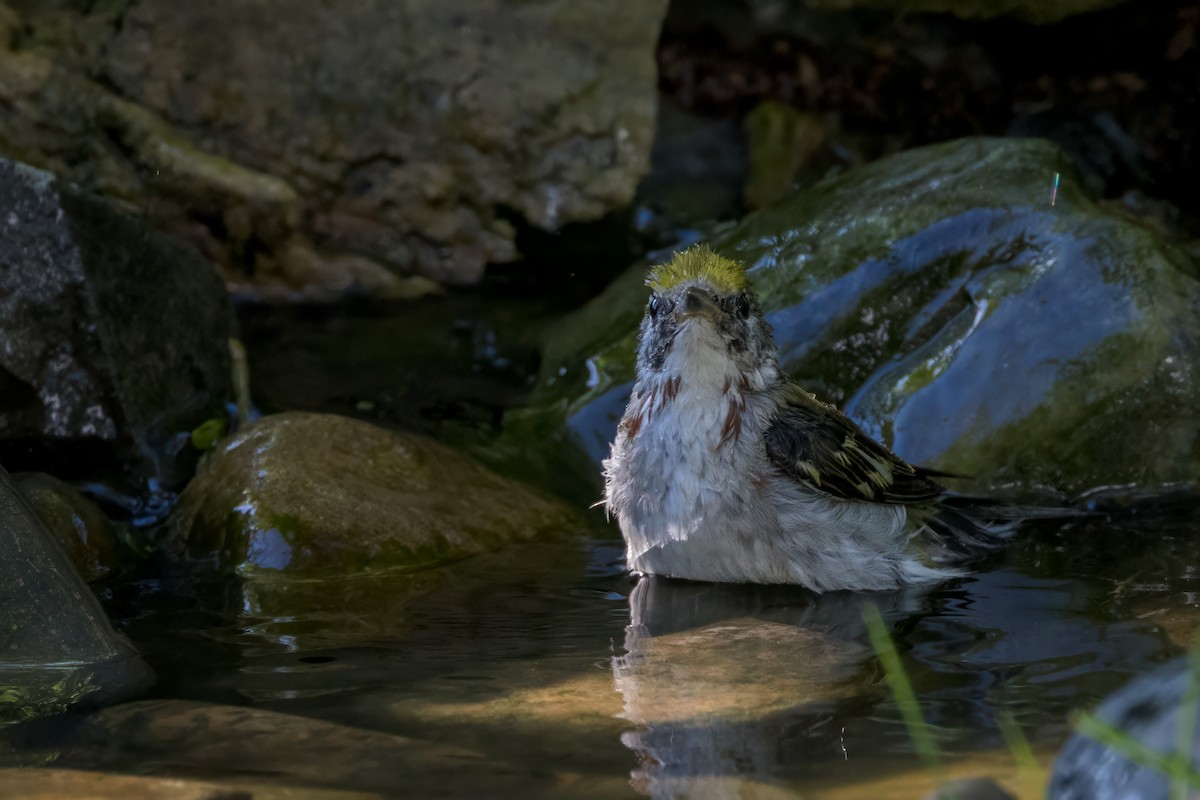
point(723, 469)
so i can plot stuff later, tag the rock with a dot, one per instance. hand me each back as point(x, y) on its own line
point(1145, 711)
point(1026, 10)
point(899, 778)
point(970, 789)
point(227, 743)
point(957, 314)
point(70, 784)
point(114, 337)
point(321, 147)
point(312, 495)
point(57, 648)
point(80, 527)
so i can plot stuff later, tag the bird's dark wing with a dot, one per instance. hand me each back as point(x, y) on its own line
point(819, 445)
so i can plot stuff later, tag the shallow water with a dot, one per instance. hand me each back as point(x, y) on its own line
point(551, 673)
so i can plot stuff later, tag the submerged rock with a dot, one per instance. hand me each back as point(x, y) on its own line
point(311, 495)
point(113, 338)
point(1146, 714)
point(961, 313)
point(61, 784)
point(230, 742)
point(324, 147)
point(57, 648)
point(77, 523)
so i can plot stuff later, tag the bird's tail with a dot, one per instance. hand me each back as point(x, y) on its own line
point(962, 528)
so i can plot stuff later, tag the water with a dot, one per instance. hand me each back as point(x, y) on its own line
point(547, 671)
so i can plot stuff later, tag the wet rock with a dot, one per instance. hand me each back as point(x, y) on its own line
point(327, 147)
point(1145, 713)
point(958, 313)
point(80, 527)
point(230, 742)
point(319, 495)
point(115, 338)
point(57, 648)
point(69, 784)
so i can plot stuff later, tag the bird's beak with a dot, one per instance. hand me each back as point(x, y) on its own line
point(697, 303)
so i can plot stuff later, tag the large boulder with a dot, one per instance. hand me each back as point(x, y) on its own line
point(318, 495)
point(322, 146)
point(112, 337)
point(57, 648)
point(961, 310)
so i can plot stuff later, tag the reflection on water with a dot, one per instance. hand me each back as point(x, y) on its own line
point(712, 676)
point(546, 671)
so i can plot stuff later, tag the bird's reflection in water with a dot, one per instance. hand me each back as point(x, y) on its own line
point(716, 678)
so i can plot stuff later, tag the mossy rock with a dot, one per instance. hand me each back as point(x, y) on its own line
point(961, 309)
point(76, 522)
point(318, 495)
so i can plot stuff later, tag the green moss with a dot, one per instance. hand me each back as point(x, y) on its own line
point(208, 433)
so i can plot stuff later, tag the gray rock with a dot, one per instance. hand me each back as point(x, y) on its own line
point(57, 648)
point(958, 315)
point(326, 146)
point(110, 335)
point(1147, 711)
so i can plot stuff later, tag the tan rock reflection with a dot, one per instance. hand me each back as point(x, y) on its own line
point(711, 698)
point(740, 669)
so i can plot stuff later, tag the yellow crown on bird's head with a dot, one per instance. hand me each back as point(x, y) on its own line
point(696, 263)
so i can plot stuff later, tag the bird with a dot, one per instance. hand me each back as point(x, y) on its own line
point(724, 469)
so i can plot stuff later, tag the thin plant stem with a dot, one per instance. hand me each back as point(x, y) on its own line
point(1017, 743)
point(902, 691)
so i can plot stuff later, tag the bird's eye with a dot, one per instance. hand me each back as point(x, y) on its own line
point(741, 306)
point(653, 307)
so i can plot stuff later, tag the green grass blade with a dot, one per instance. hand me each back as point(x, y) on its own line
point(1176, 768)
point(902, 691)
point(1018, 744)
